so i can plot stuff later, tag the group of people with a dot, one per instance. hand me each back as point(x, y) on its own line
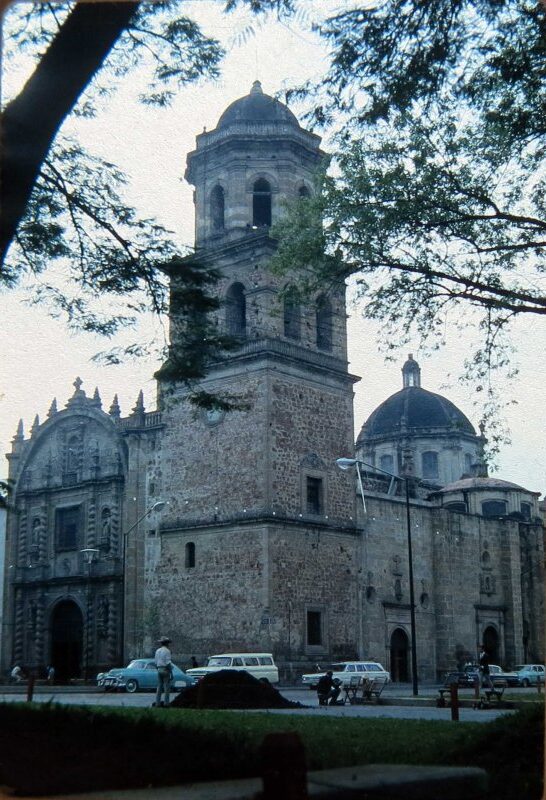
point(17, 674)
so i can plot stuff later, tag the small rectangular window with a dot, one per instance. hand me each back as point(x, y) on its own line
point(314, 495)
point(251, 662)
point(314, 628)
point(265, 660)
point(67, 526)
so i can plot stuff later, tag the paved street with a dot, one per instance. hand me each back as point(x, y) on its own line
point(406, 711)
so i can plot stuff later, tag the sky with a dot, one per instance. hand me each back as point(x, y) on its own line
point(41, 359)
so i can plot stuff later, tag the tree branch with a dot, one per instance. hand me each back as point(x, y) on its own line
point(31, 120)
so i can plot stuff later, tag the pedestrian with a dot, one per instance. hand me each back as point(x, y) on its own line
point(193, 662)
point(164, 671)
point(328, 689)
point(51, 674)
point(17, 674)
point(484, 669)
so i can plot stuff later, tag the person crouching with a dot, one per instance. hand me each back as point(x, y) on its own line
point(328, 689)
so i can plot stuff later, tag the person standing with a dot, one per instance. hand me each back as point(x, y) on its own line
point(164, 671)
point(484, 669)
point(51, 674)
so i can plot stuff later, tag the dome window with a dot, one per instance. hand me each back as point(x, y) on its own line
point(236, 309)
point(494, 508)
point(261, 203)
point(387, 463)
point(429, 462)
point(324, 323)
point(217, 206)
point(526, 511)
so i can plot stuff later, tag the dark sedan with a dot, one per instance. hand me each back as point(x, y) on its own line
point(461, 678)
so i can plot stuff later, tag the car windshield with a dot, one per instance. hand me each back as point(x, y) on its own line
point(219, 661)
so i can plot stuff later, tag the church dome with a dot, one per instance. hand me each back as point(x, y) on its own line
point(256, 107)
point(414, 410)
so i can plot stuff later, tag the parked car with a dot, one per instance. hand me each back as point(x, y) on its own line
point(530, 674)
point(345, 670)
point(460, 677)
point(140, 675)
point(259, 665)
point(468, 675)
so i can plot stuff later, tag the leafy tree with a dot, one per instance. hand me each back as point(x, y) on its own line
point(64, 218)
point(435, 202)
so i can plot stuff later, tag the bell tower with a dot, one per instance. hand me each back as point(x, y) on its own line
point(244, 486)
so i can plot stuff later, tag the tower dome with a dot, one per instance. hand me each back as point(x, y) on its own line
point(443, 440)
point(256, 107)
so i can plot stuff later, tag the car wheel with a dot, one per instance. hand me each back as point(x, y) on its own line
point(131, 685)
point(525, 682)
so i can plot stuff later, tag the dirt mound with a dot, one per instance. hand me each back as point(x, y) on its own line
point(230, 688)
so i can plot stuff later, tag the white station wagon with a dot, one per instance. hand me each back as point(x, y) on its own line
point(345, 670)
point(259, 665)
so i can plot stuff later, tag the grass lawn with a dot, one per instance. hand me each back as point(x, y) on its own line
point(47, 748)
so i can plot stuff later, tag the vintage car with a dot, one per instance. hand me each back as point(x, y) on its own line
point(259, 665)
point(345, 670)
point(471, 672)
point(530, 674)
point(140, 675)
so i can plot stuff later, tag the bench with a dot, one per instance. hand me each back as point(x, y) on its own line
point(490, 697)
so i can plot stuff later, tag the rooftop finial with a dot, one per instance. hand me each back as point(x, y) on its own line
point(35, 426)
point(139, 407)
point(256, 88)
point(96, 398)
point(20, 431)
point(115, 410)
point(52, 408)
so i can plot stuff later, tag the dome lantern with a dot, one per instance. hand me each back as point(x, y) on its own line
point(411, 373)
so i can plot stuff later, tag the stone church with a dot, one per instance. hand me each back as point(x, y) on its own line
point(238, 531)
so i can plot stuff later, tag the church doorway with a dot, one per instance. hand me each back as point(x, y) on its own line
point(399, 656)
point(66, 640)
point(491, 643)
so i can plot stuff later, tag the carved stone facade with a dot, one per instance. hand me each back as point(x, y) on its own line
point(264, 543)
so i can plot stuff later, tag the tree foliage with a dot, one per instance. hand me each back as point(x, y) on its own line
point(65, 223)
point(435, 202)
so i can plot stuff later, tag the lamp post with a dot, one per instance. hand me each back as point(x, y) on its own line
point(348, 463)
point(157, 506)
point(89, 554)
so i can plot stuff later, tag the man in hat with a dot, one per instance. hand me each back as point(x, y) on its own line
point(164, 671)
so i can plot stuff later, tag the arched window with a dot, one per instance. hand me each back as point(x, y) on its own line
point(429, 462)
point(190, 555)
point(494, 508)
point(457, 506)
point(292, 315)
point(467, 463)
point(303, 192)
point(217, 204)
point(386, 462)
point(236, 309)
point(324, 323)
point(261, 202)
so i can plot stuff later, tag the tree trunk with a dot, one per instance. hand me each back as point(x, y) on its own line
point(31, 121)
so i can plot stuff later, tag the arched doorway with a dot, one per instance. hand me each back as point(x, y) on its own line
point(66, 640)
point(491, 643)
point(399, 656)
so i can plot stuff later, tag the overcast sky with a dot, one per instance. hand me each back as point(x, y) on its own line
point(40, 360)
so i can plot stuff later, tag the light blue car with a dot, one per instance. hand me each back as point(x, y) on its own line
point(530, 674)
point(140, 675)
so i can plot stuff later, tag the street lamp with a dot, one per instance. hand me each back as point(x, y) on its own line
point(157, 506)
point(348, 463)
point(89, 554)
